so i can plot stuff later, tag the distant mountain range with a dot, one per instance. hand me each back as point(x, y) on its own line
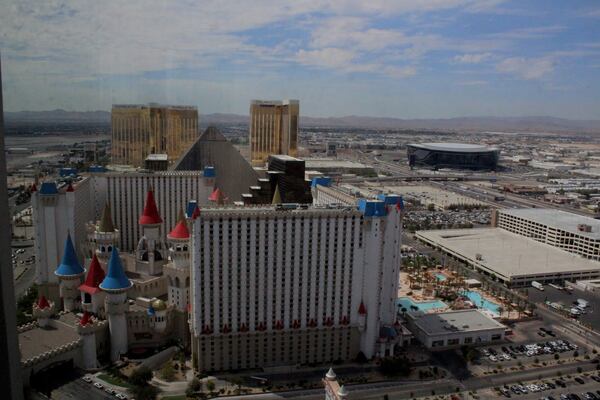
point(534, 124)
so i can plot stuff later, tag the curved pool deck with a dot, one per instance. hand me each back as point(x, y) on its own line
point(480, 302)
point(424, 306)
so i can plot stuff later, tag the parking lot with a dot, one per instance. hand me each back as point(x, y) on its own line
point(532, 342)
point(79, 388)
point(567, 298)
point(573, 387)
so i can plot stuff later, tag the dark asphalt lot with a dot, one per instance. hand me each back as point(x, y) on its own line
point(592, 317)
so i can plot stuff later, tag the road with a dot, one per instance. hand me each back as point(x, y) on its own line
point(78, 390)
point(23, 273)
point(564, 297)
point(405, 390)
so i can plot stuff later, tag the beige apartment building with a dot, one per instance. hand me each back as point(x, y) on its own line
point(140, 130)
point(273, 129)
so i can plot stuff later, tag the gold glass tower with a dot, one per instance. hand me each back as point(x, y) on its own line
point(140, 130)
point(273, 129)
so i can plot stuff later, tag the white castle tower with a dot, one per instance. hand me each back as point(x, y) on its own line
point(69, 273)
point(87, 327)
point(106, 236)
point(178, 269)
point(158, 315)
point(150, 256)
point(116, 284)
point(333, 390)
point(42, 311)
point(92, 298)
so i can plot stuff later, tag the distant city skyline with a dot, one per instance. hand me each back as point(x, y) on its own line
point(404, 59)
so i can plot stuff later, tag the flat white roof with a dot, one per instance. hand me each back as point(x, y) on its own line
point(558, 219)
point(285, 157)
point(458, 147)
point(454, 321)
point(157, 157)
point(508, 254)
point(332, 163)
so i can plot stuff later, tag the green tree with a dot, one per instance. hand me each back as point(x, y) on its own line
point(141, 376)
point(167, 372)
point(395, 366)
point(147, 392)
point(210, 386)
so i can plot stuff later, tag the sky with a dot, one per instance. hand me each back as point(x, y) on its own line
point(388, 58)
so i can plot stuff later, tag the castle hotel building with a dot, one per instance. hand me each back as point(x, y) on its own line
point(273, 129)
point(284, 285)
point(140, 130)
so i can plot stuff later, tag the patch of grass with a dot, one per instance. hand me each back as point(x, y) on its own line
point(113, 380)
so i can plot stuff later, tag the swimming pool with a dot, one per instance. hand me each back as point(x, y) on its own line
point(479, 301)
point(424, 306)
point(440, 277)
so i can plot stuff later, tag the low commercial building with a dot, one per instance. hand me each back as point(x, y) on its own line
point(592, 285)
point(570, 232)
point(339, 167)
point(509, 258)
point(451, 329)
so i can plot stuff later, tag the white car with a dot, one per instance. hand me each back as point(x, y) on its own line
point(121, 396)
point(506, 356)
point(87, 379)
point(98, 385)
point(493, 358)
point(533, 388)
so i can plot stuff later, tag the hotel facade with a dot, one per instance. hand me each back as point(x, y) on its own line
point(140, 130)
point(274, 286)
point(273, 129)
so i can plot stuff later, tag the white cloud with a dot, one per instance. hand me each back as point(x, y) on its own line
point(540, 32)
point(400, 72)
point(472, 58)
point(473, 83)
point(328, 57)
point(527, 68)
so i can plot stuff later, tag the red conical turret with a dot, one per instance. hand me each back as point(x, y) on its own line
point(362, 310)
point(217, 196)
point(150, 214)
point(196, 213)
point(70, 187)
point(180, 231)
point(43, 303)
point(94, 277)
point(85, 319)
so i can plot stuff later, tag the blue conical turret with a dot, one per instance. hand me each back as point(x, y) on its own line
point(115, 278)
point(69, 266)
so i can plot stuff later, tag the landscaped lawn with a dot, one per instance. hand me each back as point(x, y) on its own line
point(113, 380)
